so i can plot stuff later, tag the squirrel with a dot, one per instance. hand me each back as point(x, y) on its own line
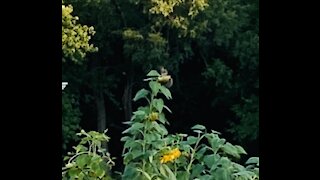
point(164, 78)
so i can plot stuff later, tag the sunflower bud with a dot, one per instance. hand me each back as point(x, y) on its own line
point(153, 116)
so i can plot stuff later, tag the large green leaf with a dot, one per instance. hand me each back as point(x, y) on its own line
point(222, 174)
point(183, 175)
point(162, 118)
point(225, 162)
point(126, 131)
point(211, 159)
point(153, 73)
point(128, 143)
point(238, 167)
point(198, 131)
point(163, 172)
point(100, 172)
point(141, 94)
point(205, 177)
point(244, 175)
point(185, 146)
point(166, 92)
point(215, 142)
point(139, 113)
point(150, 137)
point(81, 176)
point(199, 154)
point(158, 104)
point(169, 173)
point(253, 160)
point(125, 138)
point(73, 172)
point(94, 166)
point(192, 140)
point(130, 172)
point(104, 165)
point(231, 150)
point(164, 129)
point(240, 149)
point(136, 153)
point(160, 128)
point(199, 127)
point(196, 170)
point(155, 87)
point(144, 173)
point(82, 160)
point(127, 158)
point(137, 126)
point(80, 148)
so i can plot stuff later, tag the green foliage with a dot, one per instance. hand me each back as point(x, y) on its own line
point(165, 27)
point(75, 37)
point(248, 114)
point(130, 34)
point(70, 118)
point(90, 160)
point(140, 48)
point(232, 59)
point(178, 14)
point(151, 153)
point(220, 72)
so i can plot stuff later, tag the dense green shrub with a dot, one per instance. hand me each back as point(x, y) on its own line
point(71, 117)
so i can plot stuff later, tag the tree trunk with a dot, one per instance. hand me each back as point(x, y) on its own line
point(127, 95)
point(101, 114)
point(99, 96)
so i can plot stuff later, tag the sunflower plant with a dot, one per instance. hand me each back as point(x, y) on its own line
point(206, 156)
point(89, 160)
point(151, 153)
point(147, 144)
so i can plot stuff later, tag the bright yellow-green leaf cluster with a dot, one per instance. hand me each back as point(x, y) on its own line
point(180, 23)
point(75, 37)
point(172, 11)
point(197, 6)
point(164, 7)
